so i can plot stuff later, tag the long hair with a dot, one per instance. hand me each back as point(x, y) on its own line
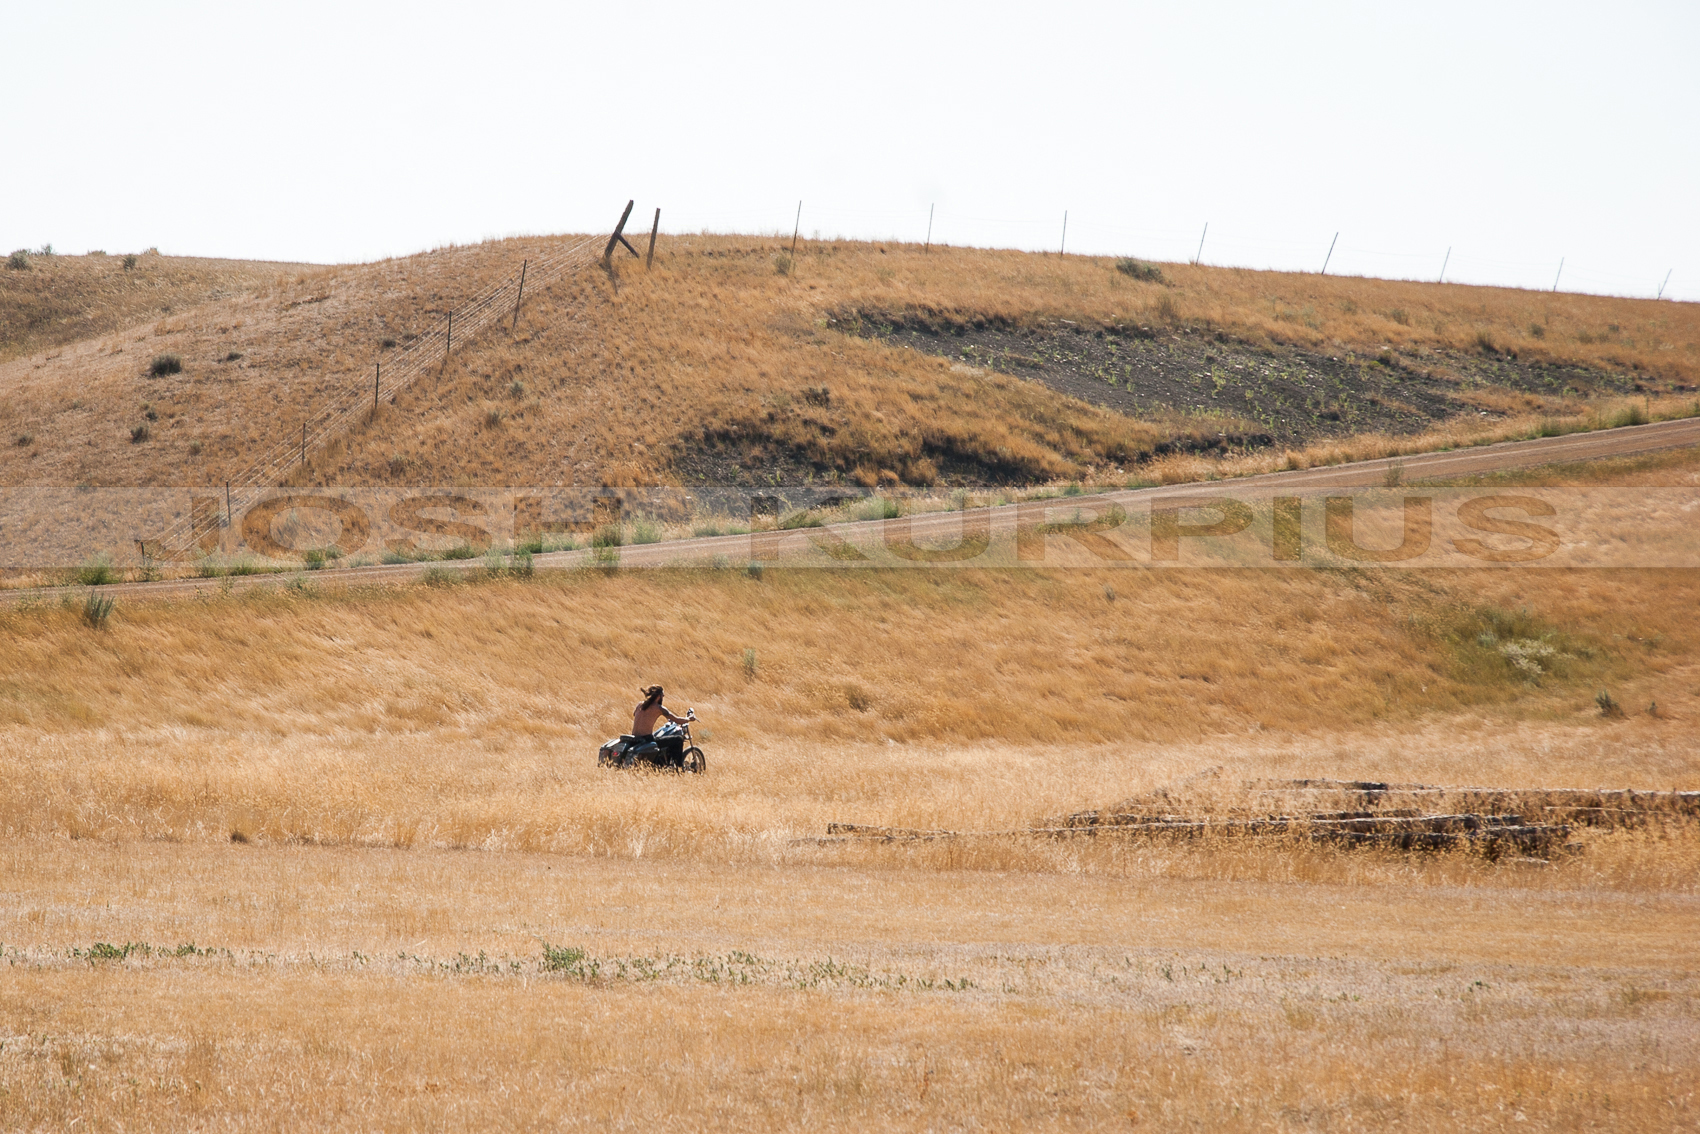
point(653, 696)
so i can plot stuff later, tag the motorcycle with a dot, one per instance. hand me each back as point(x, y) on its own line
point(670, 748)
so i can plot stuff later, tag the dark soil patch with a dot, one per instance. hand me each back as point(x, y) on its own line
point(1286, 395)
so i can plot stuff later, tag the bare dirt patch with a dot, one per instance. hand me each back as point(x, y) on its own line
point(1260, 394)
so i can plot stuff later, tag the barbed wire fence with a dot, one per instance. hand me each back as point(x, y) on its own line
point(267, 471)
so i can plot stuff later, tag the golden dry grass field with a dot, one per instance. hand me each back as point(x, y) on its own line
point(381, 884)
point(339, 857)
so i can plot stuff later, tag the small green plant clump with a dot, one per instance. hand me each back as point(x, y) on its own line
point(19, 261)
point(96, 572)
point(1608, 704)
point(97, 608)
point(750, 663)
point(441, 577)
point(1139, 270)
point(561, 958)
point(129, 263)
point(25, 440)
point(608, 535)
point(877, 508)
point(140, 433)
point(106, 951)
point(782, 264)
point(164, 364)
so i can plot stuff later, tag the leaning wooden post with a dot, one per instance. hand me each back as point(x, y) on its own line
point(618, 238)
point(794, 228)
point(519, 298)
point(653, 229)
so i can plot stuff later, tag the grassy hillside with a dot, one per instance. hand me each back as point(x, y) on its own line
point(1020, 693)
point(730, 363)
point(56, 300)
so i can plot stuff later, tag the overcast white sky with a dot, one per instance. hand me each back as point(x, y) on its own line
point(1513, 133)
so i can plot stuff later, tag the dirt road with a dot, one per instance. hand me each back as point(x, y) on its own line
point(1500, 457)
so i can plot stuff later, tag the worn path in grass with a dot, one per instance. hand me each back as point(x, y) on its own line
point(1486, 459)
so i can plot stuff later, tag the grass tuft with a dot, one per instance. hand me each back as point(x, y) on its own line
point(97, 608)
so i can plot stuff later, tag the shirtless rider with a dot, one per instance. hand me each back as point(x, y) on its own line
point(647, 714)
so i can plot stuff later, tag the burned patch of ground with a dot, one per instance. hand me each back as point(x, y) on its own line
point(1293, 396)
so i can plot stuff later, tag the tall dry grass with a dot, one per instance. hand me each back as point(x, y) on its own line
point(467, 716)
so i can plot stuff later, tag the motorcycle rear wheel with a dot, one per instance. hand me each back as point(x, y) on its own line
point(693, 760)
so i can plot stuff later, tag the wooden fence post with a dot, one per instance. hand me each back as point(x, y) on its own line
point(520, 298)
point(618, 238)
point(653, 230)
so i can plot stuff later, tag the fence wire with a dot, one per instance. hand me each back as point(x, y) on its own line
point(267, 471)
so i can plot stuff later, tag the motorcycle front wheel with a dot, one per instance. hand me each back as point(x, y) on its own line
point(694, 760)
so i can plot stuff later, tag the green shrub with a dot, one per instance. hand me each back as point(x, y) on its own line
point(96, 572)
point(164, 364)
point(1139, 270)
point(96, 610)
point(19, 261)
point(782, 264)
point(140, 433)
point(646, 531)
point(129, 262)
point(1630, 415)
point(608, 535)
point(877, 508)
point(750, 658)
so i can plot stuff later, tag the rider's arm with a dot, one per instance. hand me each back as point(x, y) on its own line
point(674, 718)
